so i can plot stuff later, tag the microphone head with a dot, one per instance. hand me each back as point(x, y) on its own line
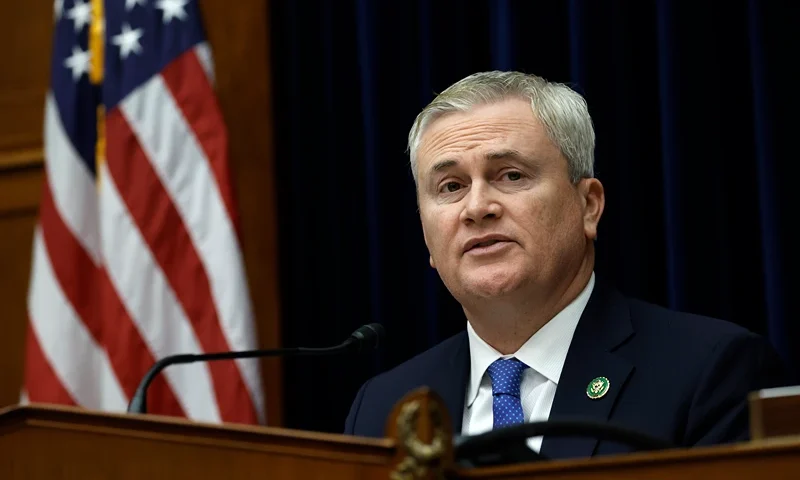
point(369, 336)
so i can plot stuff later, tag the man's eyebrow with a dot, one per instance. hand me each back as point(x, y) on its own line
point(493, 155)
point(508, 153)
point(441, 165)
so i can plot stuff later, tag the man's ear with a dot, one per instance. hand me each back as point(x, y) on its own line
point(425, 237)
point(593, 199)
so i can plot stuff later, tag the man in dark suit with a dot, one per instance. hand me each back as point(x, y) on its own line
point(509, 206)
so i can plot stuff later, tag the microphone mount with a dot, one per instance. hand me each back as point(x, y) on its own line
point(365, 337)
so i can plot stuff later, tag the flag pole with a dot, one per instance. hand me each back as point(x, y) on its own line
point(97, 52)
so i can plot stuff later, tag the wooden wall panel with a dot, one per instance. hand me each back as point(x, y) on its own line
point(16, 231)
point(24, 70)
point(238, 36)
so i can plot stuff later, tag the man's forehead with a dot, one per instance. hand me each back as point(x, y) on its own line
point(479, 132)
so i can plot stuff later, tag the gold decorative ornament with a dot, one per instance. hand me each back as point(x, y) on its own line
point(422, 457)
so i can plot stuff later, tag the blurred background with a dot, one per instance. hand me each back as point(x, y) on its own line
point(695, 109)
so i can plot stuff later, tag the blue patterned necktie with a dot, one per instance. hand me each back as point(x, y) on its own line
point(506, 375)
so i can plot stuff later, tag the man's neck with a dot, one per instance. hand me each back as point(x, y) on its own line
point(506, 324)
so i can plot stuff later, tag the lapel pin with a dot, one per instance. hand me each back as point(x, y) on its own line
point(597, 388)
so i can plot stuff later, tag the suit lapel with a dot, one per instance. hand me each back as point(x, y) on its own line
point(604, 325)
point(451, 382)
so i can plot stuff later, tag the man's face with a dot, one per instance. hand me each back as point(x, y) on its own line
point(491, 175)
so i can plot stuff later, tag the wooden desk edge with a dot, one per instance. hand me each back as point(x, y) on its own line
point(775, 445)
point(17, 414)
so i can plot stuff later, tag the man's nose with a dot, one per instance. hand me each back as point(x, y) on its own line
point(481, 204)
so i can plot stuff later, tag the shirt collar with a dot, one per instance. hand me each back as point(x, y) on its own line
point(545, 351)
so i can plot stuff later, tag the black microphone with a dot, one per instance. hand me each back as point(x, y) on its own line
point(509, 444)
point(366, 337)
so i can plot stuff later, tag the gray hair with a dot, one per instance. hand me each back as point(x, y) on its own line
point(562, 111)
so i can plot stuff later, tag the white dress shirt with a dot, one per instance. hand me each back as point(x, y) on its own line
point(545, 353)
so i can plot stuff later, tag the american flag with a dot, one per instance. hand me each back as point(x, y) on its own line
point(136, 253)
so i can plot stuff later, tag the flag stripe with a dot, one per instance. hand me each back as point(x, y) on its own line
point(42, 383)
point(193, 96)
point(71, 183)
point(153, 306)
point(203, 53)
point(183, 170)
point(94, 299)
point(163, 229)
point(63, 338)
point(75, 271)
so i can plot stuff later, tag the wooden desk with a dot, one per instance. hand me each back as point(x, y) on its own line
point(48, 442)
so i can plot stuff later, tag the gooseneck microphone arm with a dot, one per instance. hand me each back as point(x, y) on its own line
point(367, 337)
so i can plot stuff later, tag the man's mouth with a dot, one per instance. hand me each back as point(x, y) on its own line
point(488, 244)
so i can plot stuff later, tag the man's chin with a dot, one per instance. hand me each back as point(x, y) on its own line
point(494, 286)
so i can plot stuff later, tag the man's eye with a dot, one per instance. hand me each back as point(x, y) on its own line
point(452, 187)
point(514, 176)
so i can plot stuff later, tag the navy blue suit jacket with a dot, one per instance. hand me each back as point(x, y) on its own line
point(680, 377)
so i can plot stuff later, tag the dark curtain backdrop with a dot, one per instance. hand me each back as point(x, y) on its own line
point(696, 112)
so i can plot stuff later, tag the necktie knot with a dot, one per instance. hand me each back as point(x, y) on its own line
point(506, 375)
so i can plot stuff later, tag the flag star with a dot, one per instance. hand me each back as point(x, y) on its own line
point(129, 4)
point(58, 9)
point(172, 9)
point(81, 14)
point(128, 41)
point(78, 62)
